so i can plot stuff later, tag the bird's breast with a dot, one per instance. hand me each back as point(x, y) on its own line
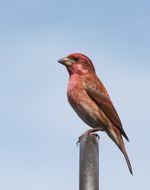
point(75, 89)
point(86, 109)
point(73, 82)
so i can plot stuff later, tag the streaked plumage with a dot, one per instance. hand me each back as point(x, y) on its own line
point(90, 100)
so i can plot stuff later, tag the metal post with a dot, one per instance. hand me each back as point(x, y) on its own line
point(89, 163)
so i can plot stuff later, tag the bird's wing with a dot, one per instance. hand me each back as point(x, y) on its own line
point(103, 101)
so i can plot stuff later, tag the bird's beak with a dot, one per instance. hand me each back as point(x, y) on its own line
point(65, 61)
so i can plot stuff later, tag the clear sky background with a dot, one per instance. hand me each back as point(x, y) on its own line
point(38, 128)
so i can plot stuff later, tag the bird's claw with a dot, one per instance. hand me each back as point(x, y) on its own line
point(95, 134)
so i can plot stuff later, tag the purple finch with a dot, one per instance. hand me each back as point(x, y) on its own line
point(90, 100)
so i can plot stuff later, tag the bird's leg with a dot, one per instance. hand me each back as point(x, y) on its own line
point(90, 132)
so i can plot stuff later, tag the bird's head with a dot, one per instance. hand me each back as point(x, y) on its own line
point(77, 63)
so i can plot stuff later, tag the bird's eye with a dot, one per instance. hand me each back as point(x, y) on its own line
point(76, 58)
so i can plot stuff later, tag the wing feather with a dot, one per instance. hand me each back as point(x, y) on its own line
point(98, 94)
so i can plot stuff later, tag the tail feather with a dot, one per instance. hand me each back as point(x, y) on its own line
point(115, 135)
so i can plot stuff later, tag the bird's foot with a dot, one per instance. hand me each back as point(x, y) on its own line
point(89, 132)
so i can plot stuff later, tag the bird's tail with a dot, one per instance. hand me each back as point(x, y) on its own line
point(115, 135)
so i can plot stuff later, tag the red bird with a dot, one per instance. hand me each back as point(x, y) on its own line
point(90, 100)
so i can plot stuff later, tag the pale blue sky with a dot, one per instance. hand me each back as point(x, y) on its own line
point(38, 129)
